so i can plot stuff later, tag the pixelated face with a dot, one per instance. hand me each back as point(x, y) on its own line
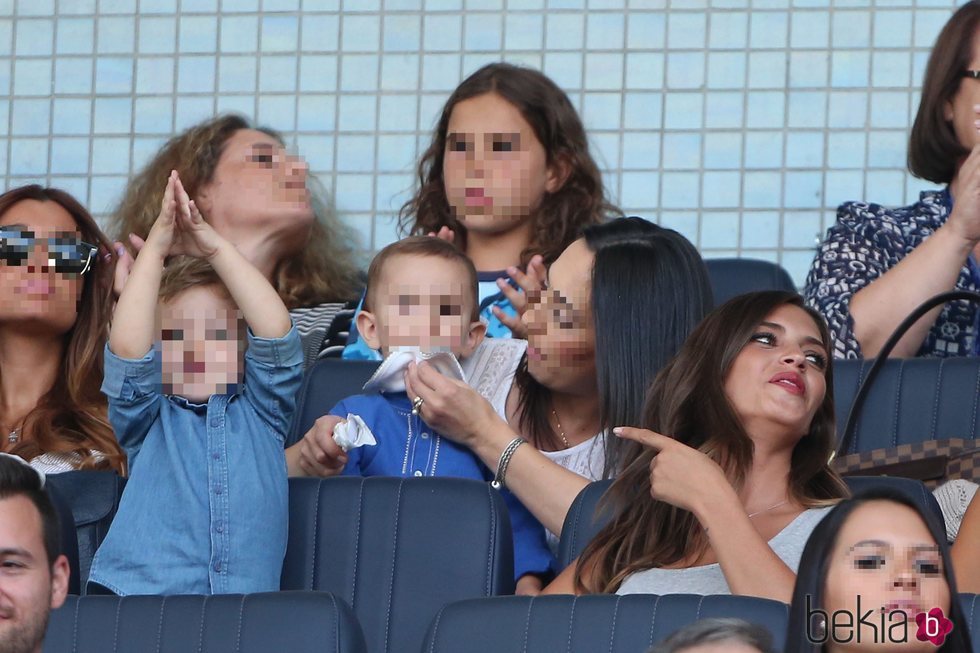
point(201, 344)
point(495, 169)
point(257, 184)
point(422, 301)
point(778, 378)
point(41, 262)
point(959, 111)
point(27, 591)
point(886, 556)
point(560, 330)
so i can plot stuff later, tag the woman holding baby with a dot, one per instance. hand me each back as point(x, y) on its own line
point(583, 373)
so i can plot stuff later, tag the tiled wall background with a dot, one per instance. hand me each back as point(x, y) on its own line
point(741, 123)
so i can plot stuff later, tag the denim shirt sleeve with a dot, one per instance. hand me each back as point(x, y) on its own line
point(273, 374)
point(132, 387)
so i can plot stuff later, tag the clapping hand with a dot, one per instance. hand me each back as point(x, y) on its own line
point(180, 228)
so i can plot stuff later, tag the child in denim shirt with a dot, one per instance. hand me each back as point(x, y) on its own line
point(205, 510)
point(422, 296)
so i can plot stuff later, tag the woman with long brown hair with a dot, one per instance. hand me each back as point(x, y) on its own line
point(729, 475)
point(258, 196)
point(55, 303)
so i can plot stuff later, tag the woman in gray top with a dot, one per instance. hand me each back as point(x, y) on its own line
point(743, 477)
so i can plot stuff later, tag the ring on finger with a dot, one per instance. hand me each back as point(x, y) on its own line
point(417, 405)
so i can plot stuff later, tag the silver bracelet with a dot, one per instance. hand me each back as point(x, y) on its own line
point(498, 480)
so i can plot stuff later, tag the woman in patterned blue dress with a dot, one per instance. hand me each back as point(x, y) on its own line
point(877, 264)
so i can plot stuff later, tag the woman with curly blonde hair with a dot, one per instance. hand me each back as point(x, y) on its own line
point(55, 303)
point(256, 195)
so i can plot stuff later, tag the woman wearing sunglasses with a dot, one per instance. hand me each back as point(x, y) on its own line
point(55, 303)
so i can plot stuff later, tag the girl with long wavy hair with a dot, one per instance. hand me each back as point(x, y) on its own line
point(509, 178)
point(729, 475)
point(55, 304)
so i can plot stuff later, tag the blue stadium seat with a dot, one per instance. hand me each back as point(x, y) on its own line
point(397, 549)
point(68, 537)
point(327, 382)
point(584, 520)
point(731, 277)
point(911, 400)
point(298, 622)
point(93, 498)
point(586, 624)
point(971, 608)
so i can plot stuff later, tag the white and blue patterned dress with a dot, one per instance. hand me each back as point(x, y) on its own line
point(867, 241)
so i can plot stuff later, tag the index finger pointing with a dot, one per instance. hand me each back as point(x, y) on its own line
point(645, 437)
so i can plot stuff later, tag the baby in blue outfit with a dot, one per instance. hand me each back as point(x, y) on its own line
point(422, 301)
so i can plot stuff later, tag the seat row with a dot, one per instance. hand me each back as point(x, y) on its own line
point(395, 550)
point(317, 622)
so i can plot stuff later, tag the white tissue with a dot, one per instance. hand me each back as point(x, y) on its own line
point(390, 375)
point(353, 433)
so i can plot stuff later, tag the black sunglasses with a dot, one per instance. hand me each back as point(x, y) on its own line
point(66, 254)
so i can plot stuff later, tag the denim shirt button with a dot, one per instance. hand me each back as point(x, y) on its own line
point(217, 490)
point(215, 422)
point(217, 567)
point(418, 473)
point(424, 435)
point(219, 528)
point(216, 455)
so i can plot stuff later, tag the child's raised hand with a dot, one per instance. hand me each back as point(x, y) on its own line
point(530, 282)
point(180, 228)
point(193, 235)
point(162, 234)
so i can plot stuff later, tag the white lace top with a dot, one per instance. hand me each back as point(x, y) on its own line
point(585, 459)
point(491, 369)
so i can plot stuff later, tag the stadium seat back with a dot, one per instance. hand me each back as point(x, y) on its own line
point(911, 400)
point(585, 624)
point(397, 550)
point(298, 622)
point(971, 608)
point(93, 497)
point(731, 277)
point(68, 537)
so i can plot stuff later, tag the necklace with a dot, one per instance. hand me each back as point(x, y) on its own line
point(561, 432)
point(775, 505)
point(13, 435)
